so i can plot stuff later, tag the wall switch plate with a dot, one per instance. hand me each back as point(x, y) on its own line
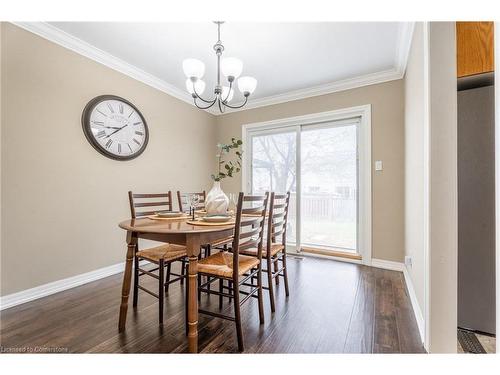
point(408, 261)
point(378, 165)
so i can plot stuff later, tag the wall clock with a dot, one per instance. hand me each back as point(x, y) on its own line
point(115, 127)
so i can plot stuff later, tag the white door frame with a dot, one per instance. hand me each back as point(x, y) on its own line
point(365, 161)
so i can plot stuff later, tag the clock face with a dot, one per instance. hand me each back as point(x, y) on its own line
point(115, 127)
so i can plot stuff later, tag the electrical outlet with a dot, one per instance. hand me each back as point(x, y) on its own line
point(408, 261)
point(378, 165)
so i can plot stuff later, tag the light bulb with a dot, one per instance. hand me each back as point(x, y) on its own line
point(193, 68)
point(231, 67)
point(247, 85)
point(199, 85)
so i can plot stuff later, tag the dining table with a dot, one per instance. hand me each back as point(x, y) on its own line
point(179, 232)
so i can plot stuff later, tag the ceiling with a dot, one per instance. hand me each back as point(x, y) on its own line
point(284, 57)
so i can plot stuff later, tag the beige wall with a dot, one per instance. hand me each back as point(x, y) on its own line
point(387, 100)
point(414, 163)
point(443, 188)
point(61, 200)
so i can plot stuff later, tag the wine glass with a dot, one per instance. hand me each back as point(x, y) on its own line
point(195, 200)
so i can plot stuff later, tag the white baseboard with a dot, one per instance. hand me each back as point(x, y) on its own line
point(397, 266)
point(58, 286)
point(417, 311)
point(387, 264)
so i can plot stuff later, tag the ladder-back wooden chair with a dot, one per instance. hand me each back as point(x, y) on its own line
point(274, 252)
point(162, 256)
point(236, 268)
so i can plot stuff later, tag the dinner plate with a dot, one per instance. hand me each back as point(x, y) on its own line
point(169, 214)
point(216, 218)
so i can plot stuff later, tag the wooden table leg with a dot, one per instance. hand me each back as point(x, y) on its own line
point(193, 250)
point(127, 277)
point(193, 305)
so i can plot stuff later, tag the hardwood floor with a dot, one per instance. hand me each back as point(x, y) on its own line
point(334, 307)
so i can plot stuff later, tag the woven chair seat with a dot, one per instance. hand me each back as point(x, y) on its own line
point(167, 252)
point(275, 249)
point(220, 264)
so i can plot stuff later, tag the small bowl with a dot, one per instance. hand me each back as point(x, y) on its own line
point(169, 214)
point(216, 218)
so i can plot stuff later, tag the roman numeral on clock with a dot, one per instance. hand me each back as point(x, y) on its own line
point(101, 134)
point(102, 113)
point(110, 108)
point(119, 148)
point(109, 143)
point(136, 141)
point(137, 123)
point(121, 108)
point(139, 133)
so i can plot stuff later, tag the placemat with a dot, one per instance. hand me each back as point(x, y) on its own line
point(206, 223)
point(154, 217)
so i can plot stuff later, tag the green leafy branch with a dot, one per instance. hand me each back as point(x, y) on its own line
point(229, 168)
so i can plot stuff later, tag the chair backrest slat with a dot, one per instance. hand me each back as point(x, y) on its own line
point(278, 206)
point(250, 233)
point(251, 243)
point(255, 198)
point(152, 204)
point(183, 200)
point(253, 210)
point(281, 196)
point(160, 201)
point(278, 233)
point(245, 238)
point(155, 195)
point(252, 223)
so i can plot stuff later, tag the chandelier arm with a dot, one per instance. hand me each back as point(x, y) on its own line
point(207, 107)
point(239, 106)
point(221, 106)
point(228, 93)
point(199, 97)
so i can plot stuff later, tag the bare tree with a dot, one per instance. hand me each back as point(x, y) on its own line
point(328, 154)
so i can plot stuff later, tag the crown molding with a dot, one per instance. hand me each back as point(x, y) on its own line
point(81, 47)
point(405, 36)
point(328, 88)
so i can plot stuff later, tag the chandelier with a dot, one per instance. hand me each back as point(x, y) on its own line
point(230, 67)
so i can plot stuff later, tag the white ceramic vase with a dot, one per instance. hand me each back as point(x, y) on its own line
point(217, 202)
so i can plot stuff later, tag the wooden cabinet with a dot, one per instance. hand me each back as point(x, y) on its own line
point(474, 48)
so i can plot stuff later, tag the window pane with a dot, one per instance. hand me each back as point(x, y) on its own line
point(329, 187)
point(274, 169)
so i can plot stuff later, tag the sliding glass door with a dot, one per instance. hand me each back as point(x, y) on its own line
point(318, 164)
